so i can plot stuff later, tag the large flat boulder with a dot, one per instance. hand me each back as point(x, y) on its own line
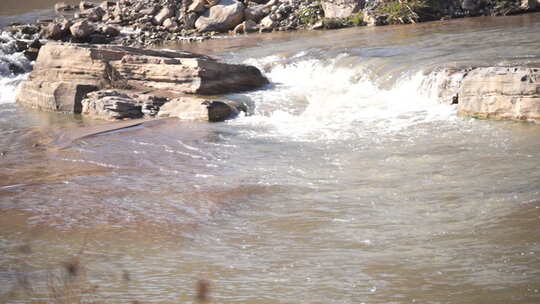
point(65, 73)
point(501, 93)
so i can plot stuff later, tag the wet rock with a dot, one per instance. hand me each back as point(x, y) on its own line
point(20, 46)
point(28, 29)
point(192, 108)
point(111, 105)
point(222, 17)
point(444, 84)
point(12, 67)
point(82, 30)
point(341, 8)
point(501, 93)
point(31, 53)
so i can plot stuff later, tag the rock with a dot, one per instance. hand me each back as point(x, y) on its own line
point(62, 7)
point(444, 84)
point(66, 24)
point(53, 31)
point(267, 23)
point(319, 25)
point(256, 13)
point(106, 5)
point(20, 46)
point(151, 11)
point(81, 30)
point(470, 5)
point(95, 14)
point(97, 38)
point(84, 5)
point(374, 19)
point(222, 17)
point(197, 6)
point(169, 23)
point(13, 68)
point(502, 93)
point(248, 26)
point(33, 50)
point(28, 29)
point(109, 31)
point(111, 105)
point(341, 8)
point(190, 108)
point(189, 21)
point(194, 75)
point(64, 73)
point(529, 4)
point(163, 15)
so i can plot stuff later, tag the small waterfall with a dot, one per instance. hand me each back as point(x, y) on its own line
point(314, 99)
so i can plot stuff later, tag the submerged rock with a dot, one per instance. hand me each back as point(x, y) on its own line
point(110, 105)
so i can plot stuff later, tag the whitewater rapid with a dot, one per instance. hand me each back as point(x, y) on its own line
point(313, 99)
point(10, 60)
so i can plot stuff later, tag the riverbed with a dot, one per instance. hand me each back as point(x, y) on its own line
point(349, 184)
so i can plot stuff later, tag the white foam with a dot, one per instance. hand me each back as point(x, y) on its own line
point(314, 100)
point(10, 57)
point(9, 87)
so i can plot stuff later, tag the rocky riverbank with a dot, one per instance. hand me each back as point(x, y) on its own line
point(148, 22)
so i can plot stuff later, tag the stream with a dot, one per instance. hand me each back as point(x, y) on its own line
point(349, 184)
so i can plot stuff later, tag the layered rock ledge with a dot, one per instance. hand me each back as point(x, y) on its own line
point(123, 82)
point(511, 93)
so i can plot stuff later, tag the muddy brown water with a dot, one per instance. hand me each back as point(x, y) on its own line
point(24, 11)
point(349, 185)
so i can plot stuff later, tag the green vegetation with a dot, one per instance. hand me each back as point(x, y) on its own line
point(404, 11)
point(335, 23)
point(506, 7)
point(311, 14)
point(356, 19)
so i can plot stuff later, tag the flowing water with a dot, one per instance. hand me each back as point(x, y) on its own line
point(350, 184)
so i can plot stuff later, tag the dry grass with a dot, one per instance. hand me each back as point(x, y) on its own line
point(71, 285)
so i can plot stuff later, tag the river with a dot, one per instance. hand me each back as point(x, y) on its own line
point(350, 184)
